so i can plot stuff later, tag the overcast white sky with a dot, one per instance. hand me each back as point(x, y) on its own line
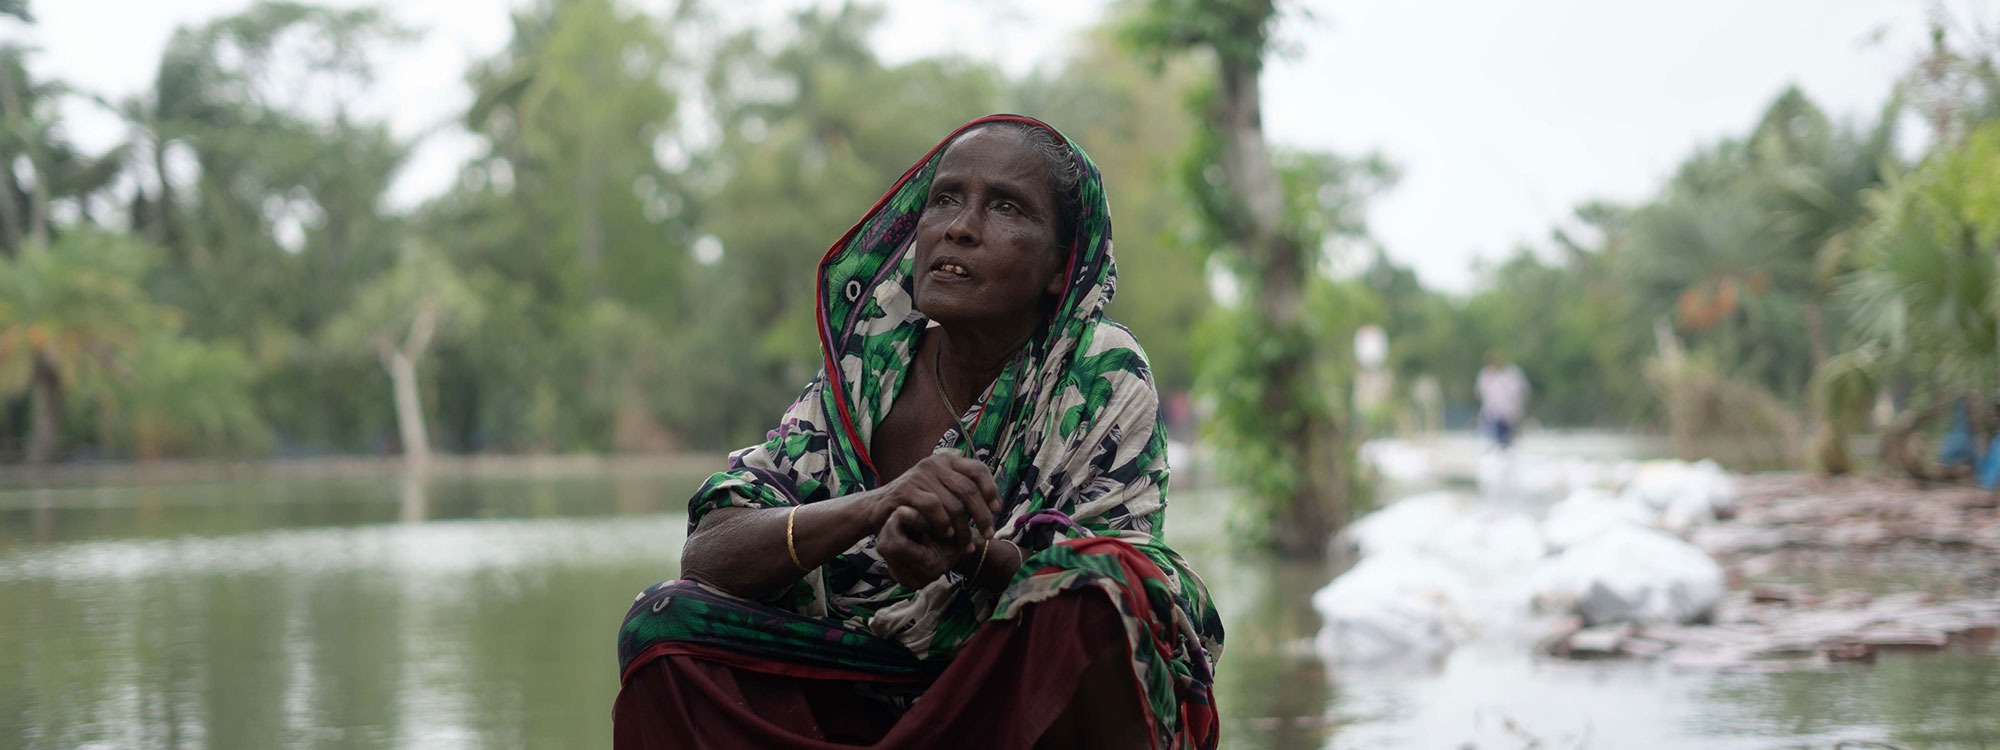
point(1503, 114)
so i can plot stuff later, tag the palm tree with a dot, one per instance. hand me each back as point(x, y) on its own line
point(65, 317)
point(1926, 290)
point(1814, 177)
point(1710, 259)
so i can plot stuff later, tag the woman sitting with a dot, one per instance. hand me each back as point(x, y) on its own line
point(953, 537)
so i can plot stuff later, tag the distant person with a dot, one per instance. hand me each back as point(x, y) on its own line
point(1503, 399)
point(953, 537)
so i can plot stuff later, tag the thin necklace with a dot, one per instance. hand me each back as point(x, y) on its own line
point(937, 374)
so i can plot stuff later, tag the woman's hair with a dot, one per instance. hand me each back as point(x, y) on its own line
point(1065, 175)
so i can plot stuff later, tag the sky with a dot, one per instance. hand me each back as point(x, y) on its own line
point(1502, 115)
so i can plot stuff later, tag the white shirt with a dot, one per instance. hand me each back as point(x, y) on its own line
point(1503, 392)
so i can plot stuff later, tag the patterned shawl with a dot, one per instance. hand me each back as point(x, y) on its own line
point(1070, 429)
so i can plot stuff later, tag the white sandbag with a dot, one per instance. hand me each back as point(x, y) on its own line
point(1487, 544)
point(1407, 524)
point(1589, 513)
point(1391, 606)
point(1398, 460)
point(1685, 494)
point(1631, 574)
point(1581, 473)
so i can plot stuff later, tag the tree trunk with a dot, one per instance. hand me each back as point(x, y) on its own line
point(1283, 268)
point(401, 362)
point(409, 409)
point(1900, 447)
point(45, 395)
point(160, 214)
point(10, 214)
point(1816, 332)
point(37, 224)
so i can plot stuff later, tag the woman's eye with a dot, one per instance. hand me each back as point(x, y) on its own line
point(1007, 207)
point(941, 199)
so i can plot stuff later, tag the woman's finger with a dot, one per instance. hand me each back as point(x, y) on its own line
point(967, 492)
point(936, 510)
point(896, 530)
point(949, 495)
point(981, 477)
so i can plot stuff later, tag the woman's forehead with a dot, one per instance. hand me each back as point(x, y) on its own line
point(994, 153)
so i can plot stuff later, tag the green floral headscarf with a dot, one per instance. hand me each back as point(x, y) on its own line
point(1070, 429)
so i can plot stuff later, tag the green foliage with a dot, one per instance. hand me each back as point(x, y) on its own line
point(1238, 351)
point(1927, 289)
point(1562, 324)
point(185, 398)
point(74, 306)
point(422, 284)
point(627, 264)
point(1131, 117)
point(574, 112)
point(812, 131)
point(79, 309)
point(1843, 389)
point(1257, 418)
point(1239, 31)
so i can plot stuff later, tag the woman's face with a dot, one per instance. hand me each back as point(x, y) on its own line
point(986, 245)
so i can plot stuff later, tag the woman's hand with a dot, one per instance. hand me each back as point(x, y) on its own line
point(915, 558)
point(944, 499)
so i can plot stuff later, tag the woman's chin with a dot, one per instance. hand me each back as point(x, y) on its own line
point(945, 310)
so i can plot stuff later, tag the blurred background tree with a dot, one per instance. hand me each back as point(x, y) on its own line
point(1270, 367)
point(629, 255)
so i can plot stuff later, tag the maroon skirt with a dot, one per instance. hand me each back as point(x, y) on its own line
point(1004, 689)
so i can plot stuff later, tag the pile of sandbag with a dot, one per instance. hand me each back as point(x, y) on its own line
point(1441, 568)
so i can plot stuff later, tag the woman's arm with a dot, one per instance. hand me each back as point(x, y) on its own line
point(742, 550)
point(745, 551)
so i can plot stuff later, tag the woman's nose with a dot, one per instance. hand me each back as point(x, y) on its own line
point(964, 227)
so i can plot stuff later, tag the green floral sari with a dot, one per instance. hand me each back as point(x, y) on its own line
point(1071, 431)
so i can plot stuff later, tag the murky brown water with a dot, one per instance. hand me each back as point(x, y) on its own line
point(479, 613)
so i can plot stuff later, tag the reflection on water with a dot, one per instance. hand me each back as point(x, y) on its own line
point(321, 614)
point(479, 613)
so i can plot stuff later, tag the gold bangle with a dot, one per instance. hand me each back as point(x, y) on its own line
point(981, 567)
point(791, 544)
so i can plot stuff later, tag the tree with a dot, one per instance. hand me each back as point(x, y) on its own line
point(284, 184)
point(249, 165)
point(1813, 178)
point(1926, 291)
point(820, 127)
point(182, 397)
point(1299, 450)
point(575, 112)
point(577, 218)
point(66, 315)
point(30, 136)
point(398, 317)
point(1132, 118)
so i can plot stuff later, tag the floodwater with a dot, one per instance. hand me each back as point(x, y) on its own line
point(480, 613)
